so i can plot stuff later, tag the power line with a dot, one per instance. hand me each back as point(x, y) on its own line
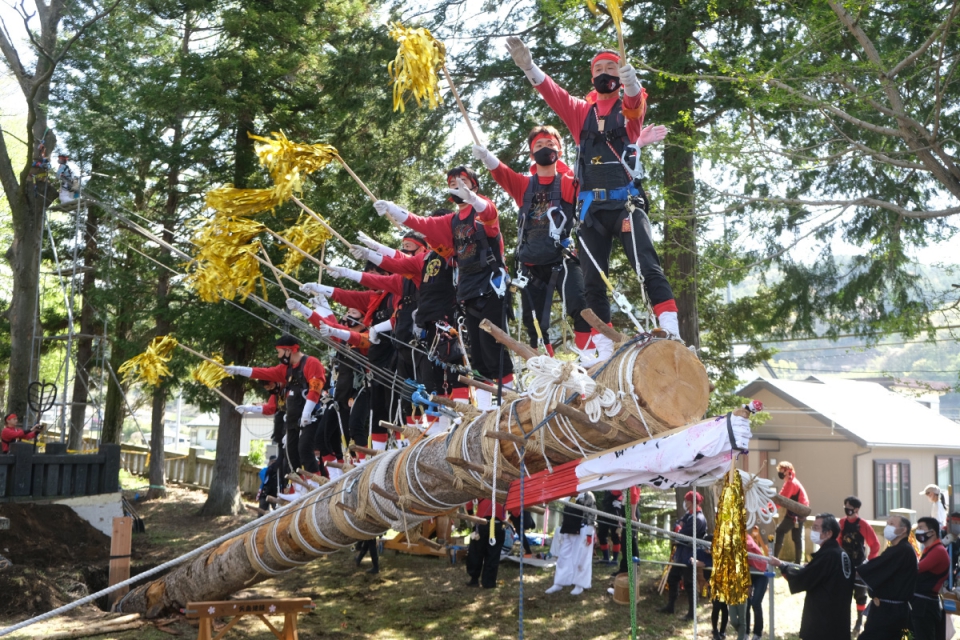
point(842, 335)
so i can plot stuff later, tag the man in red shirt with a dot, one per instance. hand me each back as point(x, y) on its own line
point(472, 236)
point(925, 611)
point(609, 133)
point(547, 201)
point(12, 433)
point(303, 378)
point(791, 522)
point(856, 534)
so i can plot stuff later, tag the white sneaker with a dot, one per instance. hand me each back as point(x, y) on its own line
point(555, 588)
point(610, 590)
point(484, 399)
point(576, 591)
point(604, 347)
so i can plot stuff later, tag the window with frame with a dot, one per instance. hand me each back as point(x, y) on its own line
point(211, 434)
point(892, 486)
point(948, 477)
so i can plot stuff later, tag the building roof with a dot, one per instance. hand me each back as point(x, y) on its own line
point(866, 412)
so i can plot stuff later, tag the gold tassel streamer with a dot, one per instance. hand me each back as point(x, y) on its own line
point(613, 8)
point(151, 365)
point(209, 374)
point(730, 580)
point(288, 162)
point(309, 235)
point(229, 201)
point(415, 69)
point(225, 264)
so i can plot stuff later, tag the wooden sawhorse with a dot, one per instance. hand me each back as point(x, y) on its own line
point(288, 607)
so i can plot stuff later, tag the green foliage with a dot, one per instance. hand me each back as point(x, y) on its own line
point(258, 453)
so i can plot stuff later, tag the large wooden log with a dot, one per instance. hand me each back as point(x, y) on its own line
point(417, 483)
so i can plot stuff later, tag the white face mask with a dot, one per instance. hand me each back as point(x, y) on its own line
point(815, 537)
point(890, 532)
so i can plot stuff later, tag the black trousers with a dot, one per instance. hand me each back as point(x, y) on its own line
point(720, 616)
point(673, 583)
point(292, 450)
point(624, 554)
point(796, 533)
point(538, 293)
point(608, 220)
point(484, 350)
point(607, 530)
point(374, 399)
point(886, 622)
point(329, 437)
point(483, 559)
point(371, 547)
point(927, 619)
point(305, 450)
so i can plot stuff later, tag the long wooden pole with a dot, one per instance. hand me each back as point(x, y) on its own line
point(199, 355)
point(323, 222)
point(222, 395)
point(366, 190)
point(287, 276)
point(623, 54)
point(463, 110)
point(276, 274)
point(294, 247)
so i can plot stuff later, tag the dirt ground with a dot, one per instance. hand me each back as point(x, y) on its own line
point(412, 597)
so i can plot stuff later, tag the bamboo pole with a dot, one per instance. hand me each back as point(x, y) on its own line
point(199, 355)
point(623, 54)
point(323, 222)
point(222, 395)
point(463, 110)
point(285, 275)
point(294, 247)
point(276, 274)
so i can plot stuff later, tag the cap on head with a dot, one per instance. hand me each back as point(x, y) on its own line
point(930, 488)
point(287, 341)
point(689, 497)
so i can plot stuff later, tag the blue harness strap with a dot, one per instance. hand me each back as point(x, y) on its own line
point(587, 198)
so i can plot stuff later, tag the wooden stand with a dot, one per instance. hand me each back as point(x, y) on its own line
point(441, 527)
point(205, 612)
point(120, 543)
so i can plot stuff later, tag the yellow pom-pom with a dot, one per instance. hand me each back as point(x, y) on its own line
point(309, 235)
point(150, 366)
point(420, 56)
point(209, 374)
point(228, 201)
point(224, 265)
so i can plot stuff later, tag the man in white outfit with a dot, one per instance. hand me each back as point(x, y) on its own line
point(573, 547)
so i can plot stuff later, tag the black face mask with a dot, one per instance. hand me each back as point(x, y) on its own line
point(349, 320)
point(456, 199)
point(782, 475)
point(606, 83)
point(285, 359)
point(545, 156)
point(848, 511)
point(923, 537)
point(408, 252)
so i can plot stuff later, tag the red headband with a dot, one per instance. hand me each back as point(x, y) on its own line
point(416, 240)
point(293, 347)
point(604, 55)
point(544, 134)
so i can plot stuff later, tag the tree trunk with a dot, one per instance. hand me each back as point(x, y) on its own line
point(349, 509)
point(88, 327)
point(223, 498)
point(157, 472)
point(114, 408)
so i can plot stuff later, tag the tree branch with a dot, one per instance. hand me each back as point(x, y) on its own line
point(86, 25)
point(856, 202)
point(13, 58)
point(8, 177)
point(926, 45)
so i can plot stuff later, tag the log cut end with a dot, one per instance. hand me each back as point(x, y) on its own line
point(672, 383)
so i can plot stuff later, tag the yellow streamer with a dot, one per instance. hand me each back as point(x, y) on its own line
point(150, 366)
point(225, 264)
point(309, 235)
point(730, 579)
point(209, 374)
point(415, 69)
point(613, 8)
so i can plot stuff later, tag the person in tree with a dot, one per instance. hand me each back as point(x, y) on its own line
point(547, 200)
point(12, 433)
point(432, 273)
point(609, 133)
point(926, 613)
point(372, 401)
point(303, 379)
point(693, 517)
point(860, 542)
point(472, 235)
point(826, 579)
point(68, 183)
point(891, 578)
point(791, 522)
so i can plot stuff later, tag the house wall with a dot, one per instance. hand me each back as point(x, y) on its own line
point(923, 471)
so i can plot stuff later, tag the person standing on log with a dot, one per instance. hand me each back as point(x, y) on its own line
point(860, 542)
point(926, 612)
point(473, 235)
point(891, 578)
point(827, 579)
point(693, 517)
point(433, 273)
point(483, 558)
point(792, 522)
point(609, 133)
point(12, 433)
point(303, 379)
point(573, 547)
point(547, 200)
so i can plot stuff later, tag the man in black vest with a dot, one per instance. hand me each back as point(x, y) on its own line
point(547, 201)
point(856, 535)
point(891, 579)
point(609, 133)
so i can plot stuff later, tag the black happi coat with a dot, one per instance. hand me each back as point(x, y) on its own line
point(828, 581)
point(891, 577)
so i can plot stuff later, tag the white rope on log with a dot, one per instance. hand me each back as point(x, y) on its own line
point(545, 376)
point(757, 493)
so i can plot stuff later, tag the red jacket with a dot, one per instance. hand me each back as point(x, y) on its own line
point(484, 509)
point(573, 111)
point(791, 487)
point(406, 266)
point(516, 184)
point(936, 562)
point(10, 435)
point(270, 406)
point(869, 537)
point(439, 230)
point(313, 371)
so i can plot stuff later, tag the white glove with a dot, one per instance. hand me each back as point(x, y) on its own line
point(312, 288)
point(483, 155)
point(362, 253)
point(522, 58)
point(669, 323)
point(332, 332)
point(307, 416)
point(618, 503)
point(391, 210)
point(382, 249)
point(652, 134)
point(299, 307)
point(234, 370)
point(249, 408)
point(343, 272)
point(377, 329)
point(321, 307)
point(628, 78)
point(283, 440)
point(469, 197)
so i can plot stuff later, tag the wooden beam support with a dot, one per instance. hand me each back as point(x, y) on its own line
point(383, 493)
point(505, 475)
point(503, 436)
point(508, 394)
point(602, 327)
point(470, 518)
point(367, 451)
point(293, 477)
point(501, 336)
